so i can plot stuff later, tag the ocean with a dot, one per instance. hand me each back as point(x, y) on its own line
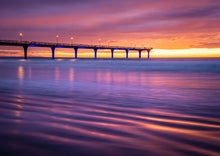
point(110, 107)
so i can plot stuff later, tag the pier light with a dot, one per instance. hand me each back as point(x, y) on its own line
point(71, 40)
point(100, 41)
point(20, 34)
point(57, 38)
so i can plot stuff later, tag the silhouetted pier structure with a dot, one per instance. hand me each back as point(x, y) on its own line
point(53, 46)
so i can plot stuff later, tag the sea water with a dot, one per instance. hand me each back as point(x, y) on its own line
point(109, 107)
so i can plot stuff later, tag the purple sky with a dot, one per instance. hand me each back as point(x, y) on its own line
point(161, 23)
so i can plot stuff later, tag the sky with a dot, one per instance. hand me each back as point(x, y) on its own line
point(189, 28)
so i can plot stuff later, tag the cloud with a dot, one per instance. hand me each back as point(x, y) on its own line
point(140, 19)
point(207, 45)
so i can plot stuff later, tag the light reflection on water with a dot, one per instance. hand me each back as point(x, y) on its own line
point(69, 109)
point(71, 74)
point(57, 73)
point(29, 73)
point(20, 73)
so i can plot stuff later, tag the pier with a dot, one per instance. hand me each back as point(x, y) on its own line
point(53, 46)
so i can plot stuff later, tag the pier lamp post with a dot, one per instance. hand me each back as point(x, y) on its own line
point(108, 42)
point(20, 36)
point(100, 42)
point(71, 40)
point(57, 38)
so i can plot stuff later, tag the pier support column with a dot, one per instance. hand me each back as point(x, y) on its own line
point(95, 51)
point(127, 50)
point(112, 52)
point(25, 51)
point(148, 54)
point(53, 50)
point(140, 54)
point(76, 49)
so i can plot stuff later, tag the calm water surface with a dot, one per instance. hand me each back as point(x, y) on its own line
point(104, 107)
